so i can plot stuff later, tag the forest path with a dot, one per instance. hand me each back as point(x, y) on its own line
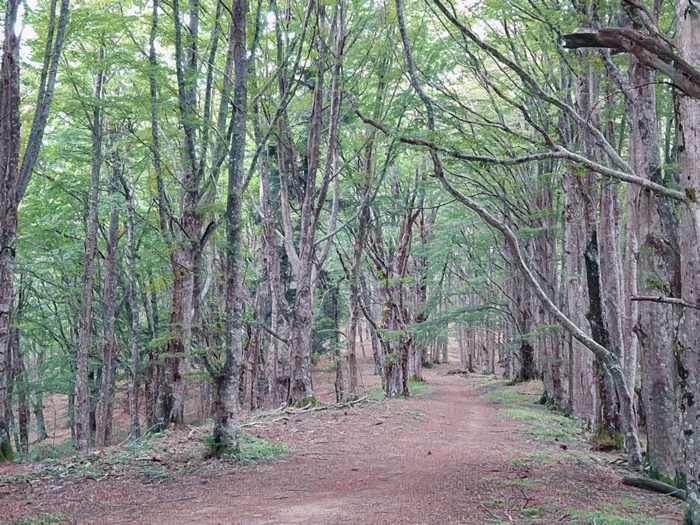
point(442, 457)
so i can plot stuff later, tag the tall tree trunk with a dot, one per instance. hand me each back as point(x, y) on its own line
point(688, 341)
point(13, 178)
point(20, 384)
point(105, 408)
point(227, 382)
point(155, 383)
point(9, 160)
point(653, 255)
point(85, 333)
point(581, 390)
point(579, 229)
point(354, 311)
point(394, 325)
point(303, 254)
point(277, 359)
point(184, 257)
point(133, 301)
point(154, 376)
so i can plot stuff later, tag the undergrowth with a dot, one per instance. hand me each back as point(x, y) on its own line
point(43, 519)
point(159, 456)
point(253, 449)
point(415, 388)
point(612, 518)
point(559, 441)
point(520, 402)
point(250, 449)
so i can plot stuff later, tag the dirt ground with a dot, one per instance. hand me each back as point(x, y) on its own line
point(445, 456)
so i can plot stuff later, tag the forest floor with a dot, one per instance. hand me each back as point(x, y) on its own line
point(466, 449)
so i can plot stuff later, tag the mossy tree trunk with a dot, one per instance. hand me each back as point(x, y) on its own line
point(227, 382)
point(688, 339)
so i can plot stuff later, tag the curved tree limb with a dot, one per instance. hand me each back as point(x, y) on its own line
point(648, 50)
point(608, 358)
point(557, 152)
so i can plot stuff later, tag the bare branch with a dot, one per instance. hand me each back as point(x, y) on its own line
point(666, 300)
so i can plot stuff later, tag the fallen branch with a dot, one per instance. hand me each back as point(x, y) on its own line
point(310, 408)
point(460, 371)
point(655, 485)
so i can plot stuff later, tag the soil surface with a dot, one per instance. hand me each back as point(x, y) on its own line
point(445, 456)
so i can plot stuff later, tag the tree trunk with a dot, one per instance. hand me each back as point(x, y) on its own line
point(20, 384)
point(184, 255)
point(312, 194)
point(608, 424)
point(109, 345)
point(82, 384)
point(13, 178)
point(133, 301)
point(9, 160)
point(653, 256)
point(688, 342)
point(37, 399)
point(276, 351)
point(300, 339)
point(353, 326)
point(394, 336)
point(228, 404)
point(581, 390)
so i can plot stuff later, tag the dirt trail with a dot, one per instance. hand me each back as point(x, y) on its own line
point(443, 457)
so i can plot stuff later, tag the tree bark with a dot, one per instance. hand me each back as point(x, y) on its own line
point(227, 382)
point(82, 387)
point(20, 383)
point(109, 345)
point(278, 359)
point(133, 301)
point(184, 254)
point(312, 194)
point(688, 338)
point(9, 160)
point(654, 257)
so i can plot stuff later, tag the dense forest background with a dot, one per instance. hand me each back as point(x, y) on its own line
point(199, 200)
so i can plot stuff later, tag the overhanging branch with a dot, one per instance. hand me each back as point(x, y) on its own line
point(556, 153)
point(648, 50)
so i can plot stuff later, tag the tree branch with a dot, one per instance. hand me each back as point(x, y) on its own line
point(649, 51)
point(666, 300)
point(558, 152)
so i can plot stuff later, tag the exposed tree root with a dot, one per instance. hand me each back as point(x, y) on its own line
point(311, 408)
point(655, 485)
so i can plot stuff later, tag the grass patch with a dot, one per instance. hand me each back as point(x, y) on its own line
point(43, 519)
point(611, 518)
point(417, 388)
point(519, 402)
point(506, 394)
point(557, 443)
point(376, 394)
point(532, 511)
point(252, 449)
point(526, 414)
